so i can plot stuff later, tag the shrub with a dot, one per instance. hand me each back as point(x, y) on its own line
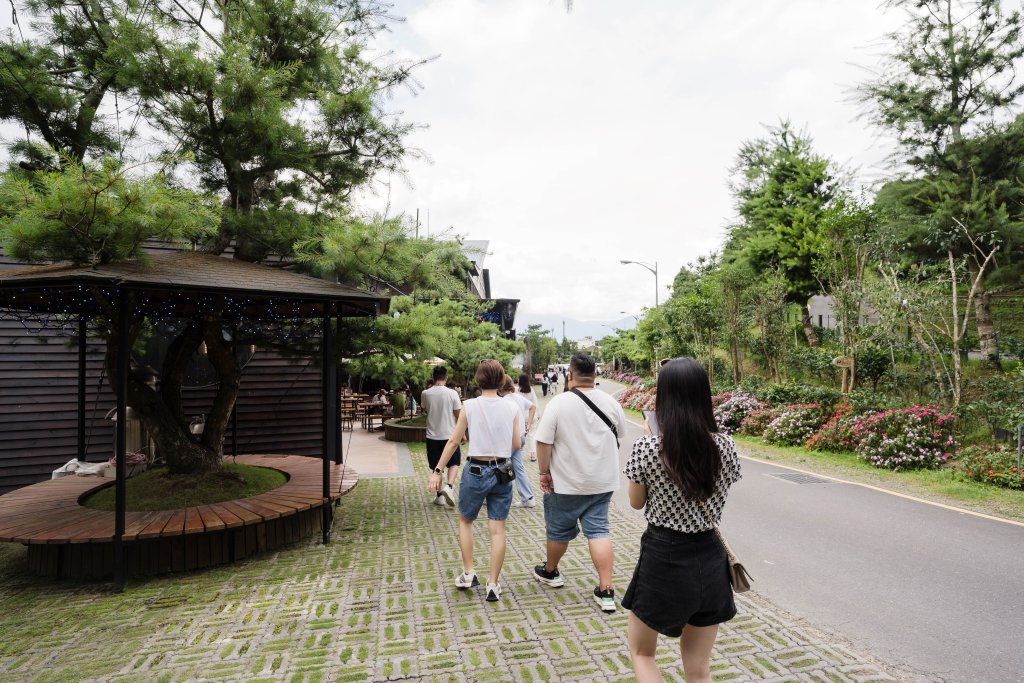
point(991, 465)
point(795, 424)
point(757, 421)
point(638, 397)
point(731, 413)
point(837, 434)
point(867, 401)
point(910, 438)
point(788, 394)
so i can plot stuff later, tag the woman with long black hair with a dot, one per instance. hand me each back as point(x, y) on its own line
point(680, 586)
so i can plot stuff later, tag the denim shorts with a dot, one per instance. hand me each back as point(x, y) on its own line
point(476, 488)
point(565, 513)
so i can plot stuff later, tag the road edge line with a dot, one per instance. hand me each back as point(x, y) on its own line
point(951, 508)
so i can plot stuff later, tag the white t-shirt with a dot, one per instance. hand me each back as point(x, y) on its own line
point(523, 403)
point(440, 403)
point(490, 420)
point(584, 455)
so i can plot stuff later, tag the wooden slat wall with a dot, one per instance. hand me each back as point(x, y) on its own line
point(279, 409)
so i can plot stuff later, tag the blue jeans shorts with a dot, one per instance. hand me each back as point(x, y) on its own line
point(476, 488)
point(564, 514)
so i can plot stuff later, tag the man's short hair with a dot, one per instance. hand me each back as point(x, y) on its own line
point(582, 365)
point(440, 372)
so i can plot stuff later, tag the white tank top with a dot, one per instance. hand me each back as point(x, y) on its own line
point(490, 423)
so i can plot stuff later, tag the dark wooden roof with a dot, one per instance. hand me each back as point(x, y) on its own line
point(170, 282)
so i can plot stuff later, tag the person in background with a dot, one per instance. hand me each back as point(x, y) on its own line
point(554, 381)
point(544, 382)
point(578, 457)
point(442, 407)
point(494, 424)
point(397, 401)
point(527, 411)
point(680, 587)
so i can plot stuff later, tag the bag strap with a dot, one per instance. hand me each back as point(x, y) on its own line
point(708, 517)
point(611, 425)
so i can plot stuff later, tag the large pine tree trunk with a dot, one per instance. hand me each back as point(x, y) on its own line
point(805, 321)
point(988, 338)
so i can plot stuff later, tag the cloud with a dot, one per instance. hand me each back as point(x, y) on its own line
point(571, 141)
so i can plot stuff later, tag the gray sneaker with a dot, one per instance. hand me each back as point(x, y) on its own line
point(465, 580)
point(528, 503)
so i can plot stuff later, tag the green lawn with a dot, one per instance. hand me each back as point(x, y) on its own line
point(157, 490)
point(939, 485)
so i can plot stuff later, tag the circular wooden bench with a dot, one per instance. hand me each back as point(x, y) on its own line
point(66, 539)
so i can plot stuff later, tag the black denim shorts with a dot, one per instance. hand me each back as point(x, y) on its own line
point(680, 579)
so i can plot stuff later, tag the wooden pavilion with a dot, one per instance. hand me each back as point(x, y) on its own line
point(168, 285)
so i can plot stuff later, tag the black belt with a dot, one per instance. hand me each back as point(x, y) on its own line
point(478, 461)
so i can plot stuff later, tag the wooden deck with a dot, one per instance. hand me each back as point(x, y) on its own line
point(67, 539)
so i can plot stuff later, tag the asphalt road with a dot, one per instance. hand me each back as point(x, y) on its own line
point(936, 593)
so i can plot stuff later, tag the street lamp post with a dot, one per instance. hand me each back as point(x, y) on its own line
point(654, 269)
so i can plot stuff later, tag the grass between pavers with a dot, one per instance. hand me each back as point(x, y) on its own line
point(156, 489)
point(339, 612)
point(939, 485)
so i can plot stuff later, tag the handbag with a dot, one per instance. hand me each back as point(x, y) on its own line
point(738, 575)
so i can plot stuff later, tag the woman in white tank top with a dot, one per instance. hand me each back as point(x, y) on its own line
point(493, 425)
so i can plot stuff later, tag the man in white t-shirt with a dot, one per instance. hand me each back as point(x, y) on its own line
point(578, 456)
point(442, 407)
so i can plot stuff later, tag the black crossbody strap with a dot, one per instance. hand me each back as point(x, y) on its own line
point(611, 425)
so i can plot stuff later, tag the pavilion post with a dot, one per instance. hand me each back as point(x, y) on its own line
point(120, 441)
point(336, 427)
point(82, 332)
point(330, 417)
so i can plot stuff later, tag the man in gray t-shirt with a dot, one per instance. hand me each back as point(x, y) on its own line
point(442, 407)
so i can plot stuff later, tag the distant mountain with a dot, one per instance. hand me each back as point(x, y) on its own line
point(574, 329)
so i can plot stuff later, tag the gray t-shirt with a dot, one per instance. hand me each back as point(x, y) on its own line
point(584, 455)
point(440, 404)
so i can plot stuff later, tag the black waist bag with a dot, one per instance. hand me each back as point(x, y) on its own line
point(505, 473)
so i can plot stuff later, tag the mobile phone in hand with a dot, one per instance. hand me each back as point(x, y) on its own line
point(652, 422)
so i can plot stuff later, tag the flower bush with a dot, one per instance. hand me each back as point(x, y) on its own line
point(838, 433)
point(757, 421)
point(795, 424)
point(990, 465)
point(720, 398)
point(910, 438)
point(638, 397)
point(730, 413)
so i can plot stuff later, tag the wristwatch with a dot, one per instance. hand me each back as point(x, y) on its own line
point(438, 470)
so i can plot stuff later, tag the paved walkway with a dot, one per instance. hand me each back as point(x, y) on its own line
point(377, 604)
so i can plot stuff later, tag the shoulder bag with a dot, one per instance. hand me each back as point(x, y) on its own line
point(738, 576)
point(611, 425)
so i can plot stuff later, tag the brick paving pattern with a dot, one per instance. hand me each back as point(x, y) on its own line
point(377, 604)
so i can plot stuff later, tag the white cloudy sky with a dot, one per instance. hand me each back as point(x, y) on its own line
point(574, 140)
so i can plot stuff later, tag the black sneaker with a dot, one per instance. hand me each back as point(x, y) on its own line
point(605, 598)
point(552, 578)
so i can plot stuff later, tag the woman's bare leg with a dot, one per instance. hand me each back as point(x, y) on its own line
point(695, 646)
point(643, 644)
point(466, 543)
point(497, 530)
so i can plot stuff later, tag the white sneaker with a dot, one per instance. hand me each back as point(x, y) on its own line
point(448, 493)
point(439, 499)
point(493, 592)
point(465, 580)
point(528, 503)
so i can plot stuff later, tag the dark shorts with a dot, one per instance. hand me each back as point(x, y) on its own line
point(680, 579)
point(435, 447)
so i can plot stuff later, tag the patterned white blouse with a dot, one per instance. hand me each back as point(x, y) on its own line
point(667, 505)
